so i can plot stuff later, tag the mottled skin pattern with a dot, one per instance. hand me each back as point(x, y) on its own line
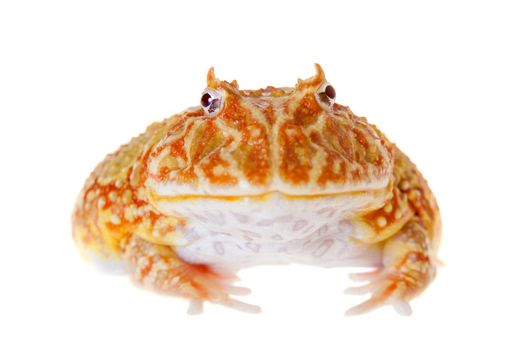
point(272, 141)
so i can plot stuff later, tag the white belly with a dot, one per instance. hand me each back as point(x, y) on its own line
point(247, 232)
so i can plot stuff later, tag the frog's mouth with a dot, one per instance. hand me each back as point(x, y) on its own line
point(265, 196)
point(357, 200)
point(243, 189)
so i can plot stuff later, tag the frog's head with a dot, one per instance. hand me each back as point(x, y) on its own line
point(294, 141)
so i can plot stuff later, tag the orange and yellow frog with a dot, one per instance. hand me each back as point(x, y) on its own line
point(248, 177)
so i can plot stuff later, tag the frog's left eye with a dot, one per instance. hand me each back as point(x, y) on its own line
point(326, 94)
point(211, 102)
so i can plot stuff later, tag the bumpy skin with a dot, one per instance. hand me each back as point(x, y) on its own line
point(274, 141)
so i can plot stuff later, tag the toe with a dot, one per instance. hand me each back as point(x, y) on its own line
point(195, 307)
point(240, 306)
point(402, 307)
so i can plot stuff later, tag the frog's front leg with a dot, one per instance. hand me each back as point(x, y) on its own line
point(408, 268)
point(158, 267)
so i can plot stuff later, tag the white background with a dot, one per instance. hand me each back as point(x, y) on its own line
point(444, 80)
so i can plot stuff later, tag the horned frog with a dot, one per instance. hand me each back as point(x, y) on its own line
point(274, 175)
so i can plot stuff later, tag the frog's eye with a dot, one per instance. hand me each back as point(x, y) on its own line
point(211, 102)
point(326, 94)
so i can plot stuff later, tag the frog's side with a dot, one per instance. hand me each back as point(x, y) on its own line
point(267, 176)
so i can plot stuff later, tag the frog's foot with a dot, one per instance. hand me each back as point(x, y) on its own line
point(208, 285)
point(159, 267)
point(385, 287)
point(407, 270)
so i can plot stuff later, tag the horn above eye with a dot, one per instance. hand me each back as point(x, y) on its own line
point(211, 102)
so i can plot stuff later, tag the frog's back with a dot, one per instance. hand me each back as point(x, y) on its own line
point(111, 204)
point(418, 194)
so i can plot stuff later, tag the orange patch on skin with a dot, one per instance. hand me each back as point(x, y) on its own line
point(221, 178)
point(297, 152)
point(146, 269)
point(163, 173)
point(338, 137)
point(330, 172)
point(206, 139)
point(233, 114)
point(307, 111)
point(356, 174)
point(186, 176)
point(257, 168)
point(269, 115)
point(254, 159)
point(253, 154)
point(177, 149)
point(359, 136)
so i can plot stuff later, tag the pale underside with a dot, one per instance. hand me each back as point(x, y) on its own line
point(242, 233)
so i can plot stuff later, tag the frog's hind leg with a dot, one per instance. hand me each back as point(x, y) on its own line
point(408, 268)
point(159, 267)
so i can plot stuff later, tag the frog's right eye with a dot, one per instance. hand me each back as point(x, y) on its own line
point(326, 94)
point(211, 102)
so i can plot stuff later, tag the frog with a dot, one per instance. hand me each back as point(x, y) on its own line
point(254, 177)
